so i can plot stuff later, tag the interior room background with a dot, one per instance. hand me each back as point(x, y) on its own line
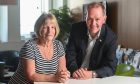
point(123, 18)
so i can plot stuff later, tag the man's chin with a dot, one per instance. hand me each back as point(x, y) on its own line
point(94, 31)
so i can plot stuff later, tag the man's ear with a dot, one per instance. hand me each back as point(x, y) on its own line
point(105, 17)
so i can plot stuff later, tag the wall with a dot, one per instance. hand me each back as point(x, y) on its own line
point(14, 42)
point(11, 46)
point(127, 22)
point(13, 23)
point(73, 4)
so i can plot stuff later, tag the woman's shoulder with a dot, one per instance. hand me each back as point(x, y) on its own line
point(30, 41)
point(57, 42)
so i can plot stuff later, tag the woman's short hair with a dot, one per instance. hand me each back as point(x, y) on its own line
point(41, 20)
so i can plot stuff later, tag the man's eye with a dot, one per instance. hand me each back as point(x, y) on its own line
point(89, 19)
point(97, 19)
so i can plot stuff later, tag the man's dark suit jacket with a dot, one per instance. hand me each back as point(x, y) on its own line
point(103, 57)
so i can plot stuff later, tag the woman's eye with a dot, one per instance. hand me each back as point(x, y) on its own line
point(52, 27)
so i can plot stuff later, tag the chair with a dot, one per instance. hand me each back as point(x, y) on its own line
point(124, 70)
point(11, 59)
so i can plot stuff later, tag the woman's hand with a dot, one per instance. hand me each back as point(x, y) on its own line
point(63, 76)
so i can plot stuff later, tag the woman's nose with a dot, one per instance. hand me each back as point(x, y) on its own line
point(49, 29)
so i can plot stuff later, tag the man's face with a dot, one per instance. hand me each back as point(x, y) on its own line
point(95, 20)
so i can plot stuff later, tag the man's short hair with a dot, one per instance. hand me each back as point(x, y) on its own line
point(96, 5)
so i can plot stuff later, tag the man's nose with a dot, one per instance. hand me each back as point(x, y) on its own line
point(93, 22)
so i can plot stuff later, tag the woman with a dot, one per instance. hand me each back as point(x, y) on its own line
point(42, 58)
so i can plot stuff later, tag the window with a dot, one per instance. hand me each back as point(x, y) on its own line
point(29, 12)
point(3, 24)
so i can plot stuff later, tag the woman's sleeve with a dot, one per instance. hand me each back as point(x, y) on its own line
point(27, 51)
point(61, 51)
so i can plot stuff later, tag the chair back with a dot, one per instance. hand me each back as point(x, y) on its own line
point(11, 59)
point(2, 64)
point(124, 70)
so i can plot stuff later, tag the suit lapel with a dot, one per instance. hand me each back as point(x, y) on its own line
point(94, 59)
point(84, 47)
point(84, 42)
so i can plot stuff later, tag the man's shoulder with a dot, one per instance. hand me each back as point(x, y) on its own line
point(111, 31)
point(110, 34)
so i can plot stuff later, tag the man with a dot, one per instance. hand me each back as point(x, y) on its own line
point(92, 45)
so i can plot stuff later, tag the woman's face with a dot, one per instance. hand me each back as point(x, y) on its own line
point(48, 30)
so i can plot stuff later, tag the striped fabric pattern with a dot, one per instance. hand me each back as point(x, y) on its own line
point(42, 66)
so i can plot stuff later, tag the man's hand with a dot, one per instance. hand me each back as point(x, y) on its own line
point(82, 73)
point(63, 76)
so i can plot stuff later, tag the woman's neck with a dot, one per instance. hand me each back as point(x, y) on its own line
point(46, 43)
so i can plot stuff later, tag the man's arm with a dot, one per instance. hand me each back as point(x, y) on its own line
point(108, 66)
point(71, 53)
